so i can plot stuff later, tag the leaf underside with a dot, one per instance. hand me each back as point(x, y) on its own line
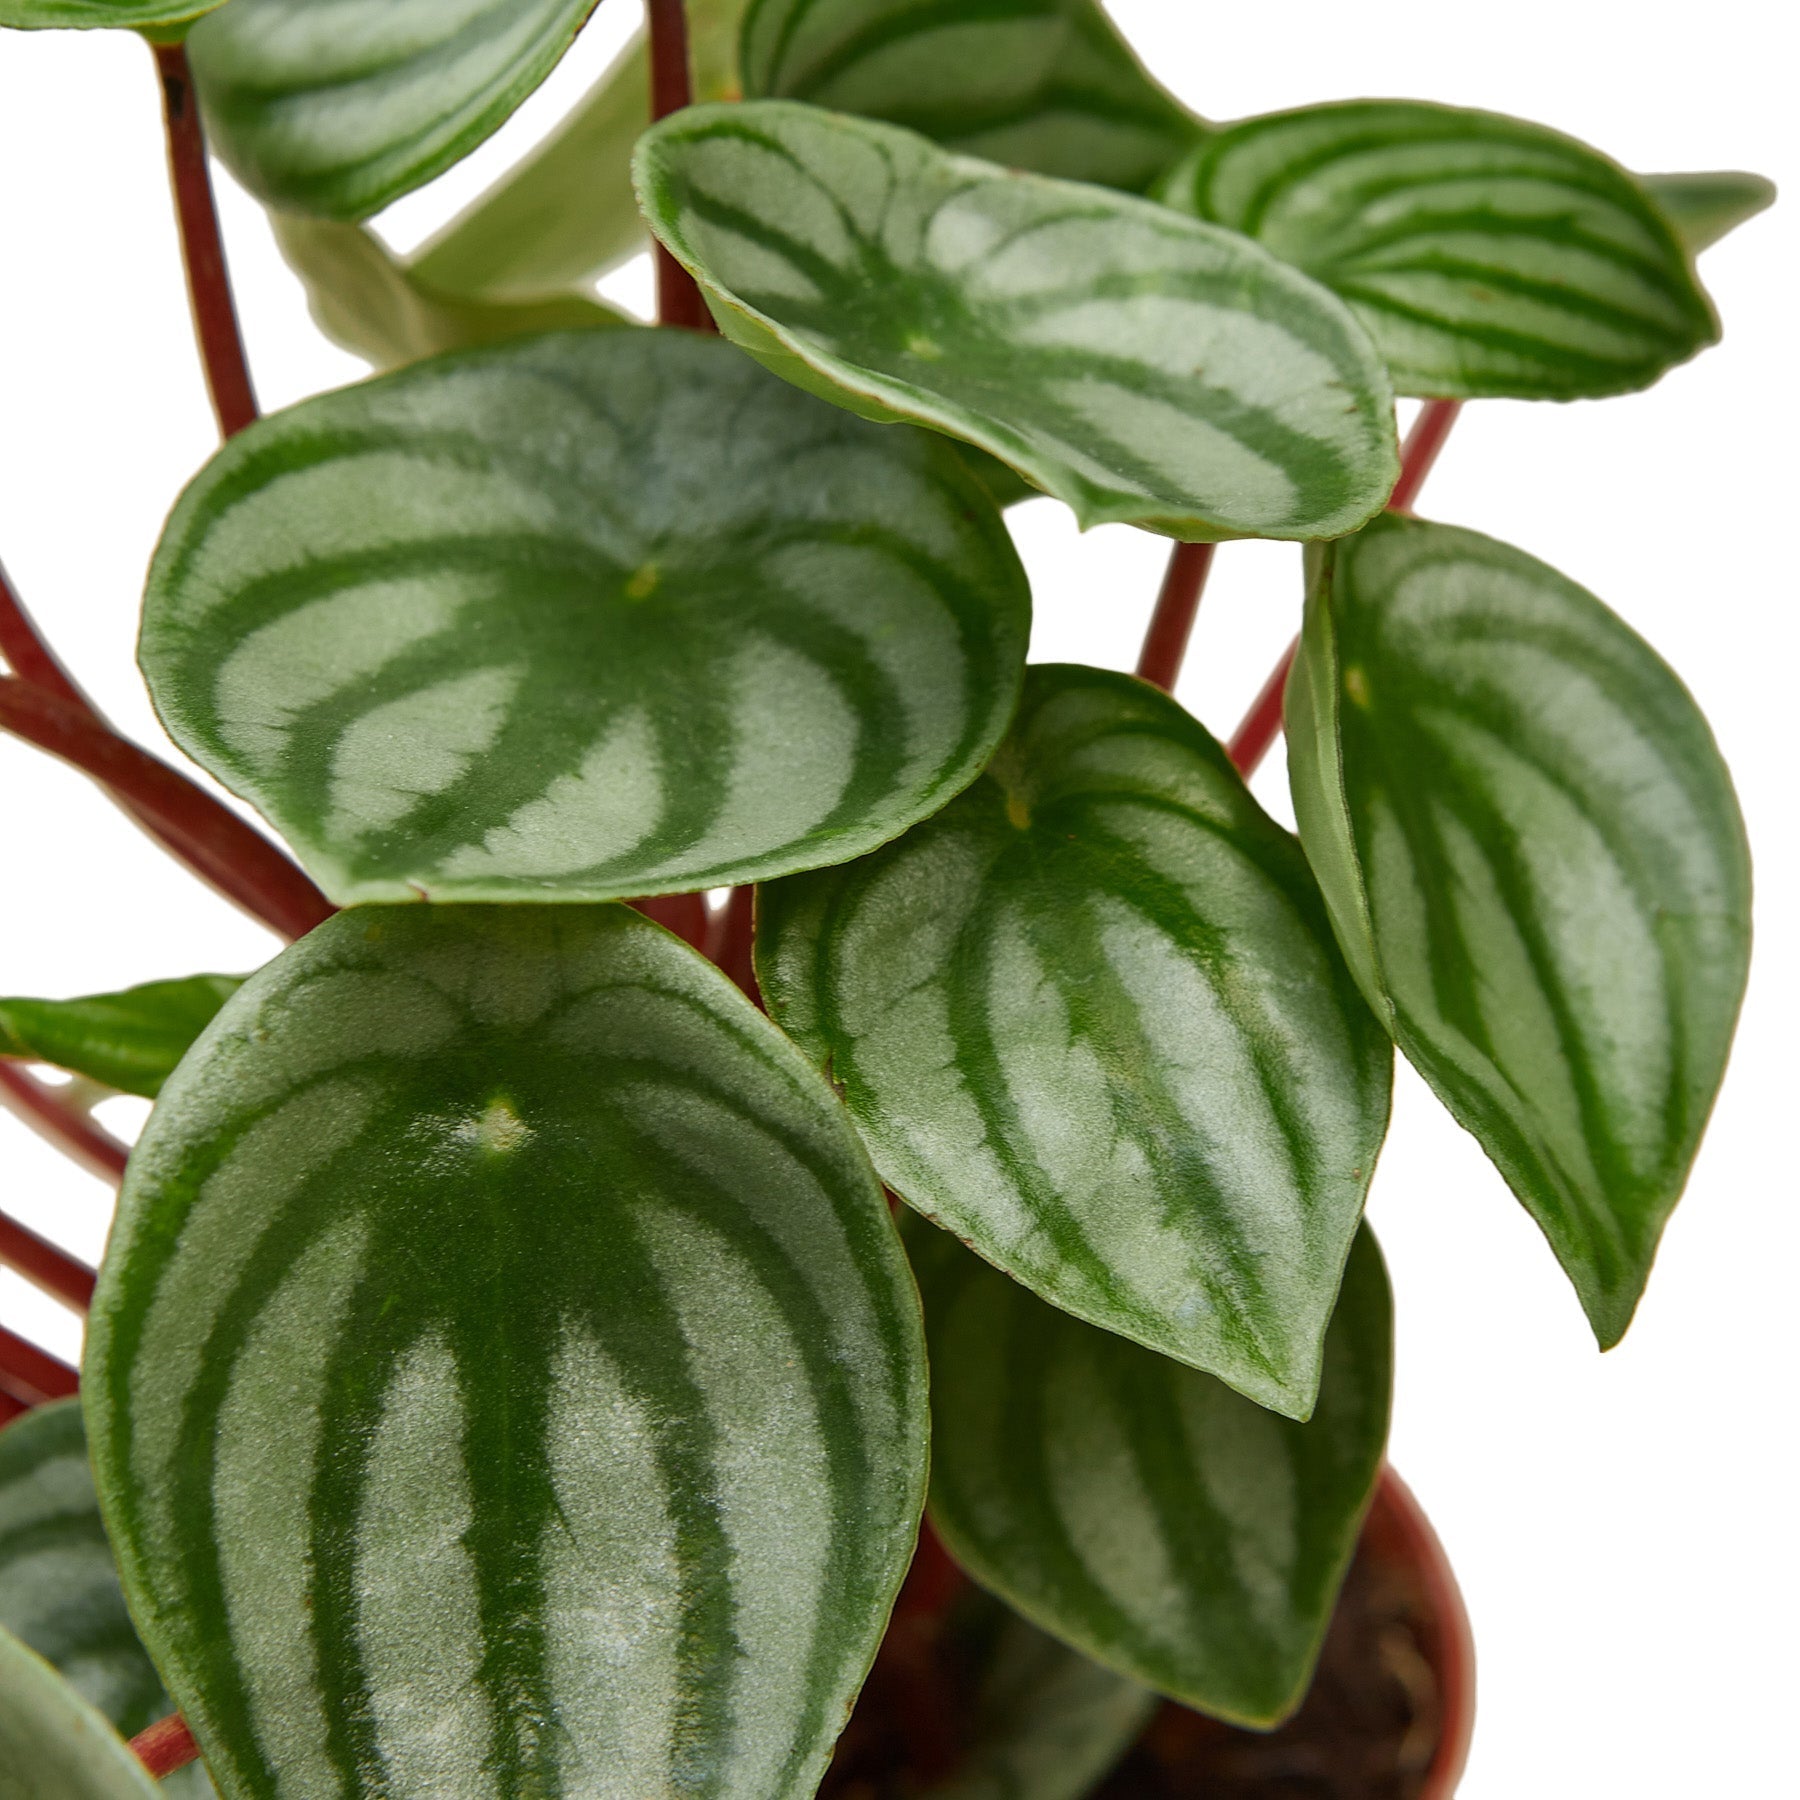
point(1142, 1511)
point(53, 1745)
point(1136, 364)
point(83, 15)
point(505, 1377)
point(593, 615)
point(1536, 864)
point(129, 1041)
point(1486, 256)
point(1091, 1018)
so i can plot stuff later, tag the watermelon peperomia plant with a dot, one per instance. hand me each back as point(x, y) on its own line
point(757, 1062)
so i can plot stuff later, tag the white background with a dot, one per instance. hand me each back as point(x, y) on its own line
point(1623, 1526)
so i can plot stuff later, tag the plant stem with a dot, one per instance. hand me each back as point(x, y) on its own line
point(678, 297)
point(1261, 726)
point(211, 839)
point(166, 1746)
point(26, 653)
point(45, 1266)
point(30, 1375)
point(1172, 623)
point(732, 939)
point(67, 1127)
point(202, 250)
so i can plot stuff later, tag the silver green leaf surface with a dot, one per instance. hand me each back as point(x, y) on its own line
point(338, 107)
point(1536, 866)
point(129, 1040)
point(1141, 1511)
point(505, 1378)
point(1486, 256)
point(1139, 365)
point(1047, 85)
point(1091, 1019)
point(53, 1745)
point(85, 15)
point(1705, 207)
point(592, 615)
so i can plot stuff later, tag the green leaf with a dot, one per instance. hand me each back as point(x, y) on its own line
point(1140, 366)
point(1705, 208)
point(594, 615)
point(376, 307)
point(1143, 1512)
point(53, 1745)
point(1535, 862)
point(81, 15)
point(505, 1362)
point(1091, 1019)
point(1485, 255)
point(339, 109)
point(1047, 85)
point(59, 1585)
point(129, 1041)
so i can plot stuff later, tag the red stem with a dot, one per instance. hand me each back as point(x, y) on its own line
point(26, 653)
point(11, 1409)
point(678, 297)
point(30, 1375)
point(732, 939)
point(1251, 742)
point(202, 251)
point(43, 1264)
point(212, 840)
point(166, 1746)
point(65, 1126)
point(1172, 623)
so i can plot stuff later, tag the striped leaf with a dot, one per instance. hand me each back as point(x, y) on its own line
point(1486, 256)
point(505, 1378)
point(1535, 863)
point(59, 1585)
point(583, 616)
point(338, 107)
point(129, 1041)
point(53, 1745)
point(1144, 1512)
point(83, 15)
point(1047, 85)
point(1706, 207)
point(1091, 1019)
point(1138, 365)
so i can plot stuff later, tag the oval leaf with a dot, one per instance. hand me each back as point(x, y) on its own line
point(83, 15)
point(591, 615)
point(340, 107)
point(53, 1745)
point(1485, 255)
point(129, 1041)
point(1138, 365)
point(1091, 1019)
point(1047, 85)
point(1706, 207)
point(1141, 1511)
point(505, 1362)
point(1535, 863)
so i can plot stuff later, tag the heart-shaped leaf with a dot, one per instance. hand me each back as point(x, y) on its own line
point(1535, 863)
point(129, 1041)
point(53, 1745)
point(59, 1585)
point(1047, 85)
point(1485, 255)
point(338, 107)
point(82, 15)
point(1139, 365)
point(505, 1363)
point(1091, 1019)
point(1140, 1510)
point(1705, 207)
point(591, 615)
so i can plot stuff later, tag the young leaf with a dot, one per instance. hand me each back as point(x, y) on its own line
point(505, 1363)
point(1091, 1019)
point(1485, 255)
point(59, 1586)
point(1705, 207)
point(377, 307)
point(339, 109)
point(1136, 364)
point(81, 15)
point(129, 1041)
point(594, 615)
point(53, 1745)
point(1047, 85)
point(1535, 863)
point(1141, 1511)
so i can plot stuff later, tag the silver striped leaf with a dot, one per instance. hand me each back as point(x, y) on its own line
point(1486, 256)
point(59, 1585)
point(1047, 85)
point(1091, 1019)
point(1707, 206)
point(505, 1378)
point(1138, 365)
point(1143, 1512)
point(53, 1745)
point(580, 617)
point(338, 107)
point(1537, 868)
